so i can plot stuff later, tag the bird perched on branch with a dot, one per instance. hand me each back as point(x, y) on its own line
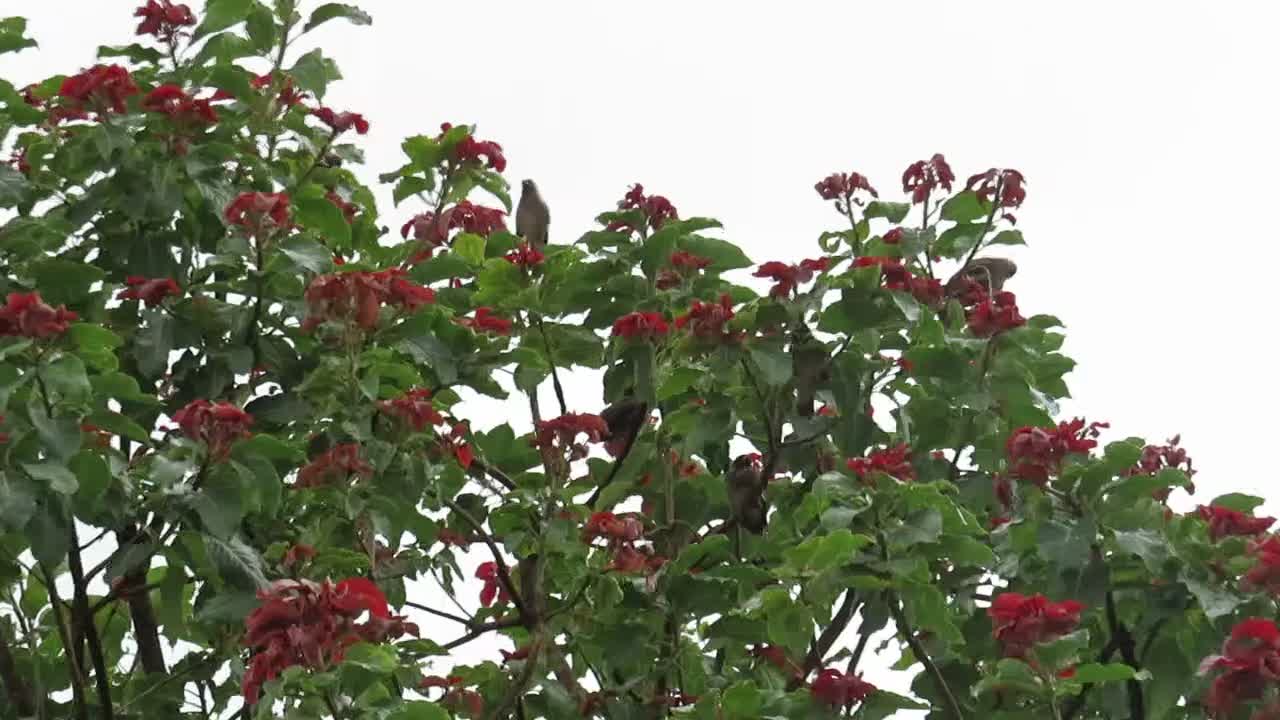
point(532, 216)
point(990, 272)
point(746, 494)
point(625, 419)
point(810, 366)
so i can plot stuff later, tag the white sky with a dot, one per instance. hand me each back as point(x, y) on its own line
point(1146, 131)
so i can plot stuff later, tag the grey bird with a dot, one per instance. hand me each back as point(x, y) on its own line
point(746, 495)
point(809, 367)
point(532, 216)
point(990, 272)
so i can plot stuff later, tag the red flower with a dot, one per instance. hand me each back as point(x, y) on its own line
point(358, 297)
point(469, 149)
point(288, 96)
point(455, 695)
point(339, 462)
point(1251, 660)
point(893, 237)
point(524, 256)
point(787, 277)
point(1008, 182)
point(349, 209)
point(217, 425)
point(449, 536)
point(101, 88)
point(163, 19)
point(488, 572)
point(906, 365)
point(777, 657)
point(483, 321)
point(297, 555)
point(566, 428)
point(414, 408)
point(838, 689)
point(312, 624)
point(26, 315)
point(181, 108)
point(341, 122)
point(149, 290)
point(842, 186)
point(1036, 453)
point(1224, 522)
point(1157, 457)
point(1023, 621)
point(656, 208)
point(686, 262)
point(922, 176)
point(891, 269)
point(1265, 575)
point(257, 211)
point(894, 462)
point(640, 326)
point(520, 653)
point(992, 316)
point(616, 529)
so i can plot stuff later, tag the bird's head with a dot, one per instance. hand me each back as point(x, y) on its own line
point(528, 186)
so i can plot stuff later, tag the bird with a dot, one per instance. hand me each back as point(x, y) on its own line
point(625, 419)
point(746, 495)
point(810, 368)
point(990, 272)
point(532, 216)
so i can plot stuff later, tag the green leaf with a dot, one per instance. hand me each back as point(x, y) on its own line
point(325, 218)
point(314, 72)
point(1149, 545)
point(220, 504)
point(153, 344)
point(894, 212)
point(330, 11)
point(261, 27)
point(741, 701)
point(270, 448)
point(470, 247)
point(17, 502)
point(222, 14)
point(49, 534)
point(419, 710)
point(926, 607)
point(1215, 602)
point(308, 254)
point(963, 207)
point(1098, 673)
point(67, 379)
point(12, 35)
point(374, 658)
point(64, 281)
point(410, 186)
point(117, 424)
point(60, 435)
point(774, 364)
point(57, 477)
point(724, 255)
point(1008, 237)
point(236, 561)
point(1238, 502)
point(13, 184)
point(93, 475)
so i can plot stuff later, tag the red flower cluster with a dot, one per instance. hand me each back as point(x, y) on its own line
point(776, 656)
point(1022, 621)
point(26, 315)
point(340, 122)
point(707, 320)
point(339, 462)
point(1225, 522)
point(218, 425)
point(615, 529)
point(564, 431)
point(893, 237)
point(256, 212)
point(684, 264)
point(787, 277)
point(928, 291)
point(455, 696)
point(288, 96)
point(163, 19)
point(656, 208)
point(628, 559)
point(1265, 575)
point(469, 149)
point(640, 326)
point(483, 320)
point(433, 232)
point(1036, 453)
point(1008, 182)
point(524, 256)
point(414, 408)
point(312, 624)
point(842, 186)
point(101, 88)
point(349, 209)
point(455, 443)
point(149, 290)
point(922, 176)
point(492, 589)
point(839, 689)
point(358, 296)
point(1158, 457)
point(994, 315)
point(894, 462)
point(1251, 661)
point(449, 536)
point(181, 108)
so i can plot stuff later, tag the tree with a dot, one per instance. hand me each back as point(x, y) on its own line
point(215, 362)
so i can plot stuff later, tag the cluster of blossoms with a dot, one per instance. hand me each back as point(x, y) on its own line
point(707, 320)
point(310, 624)
point(1250, 661)
point(182, 110)
point(349, 209)
point(163, 19)
point(621, 534)
point(483, 320)
point(1265, 574)
point(1036, 453)
point(1009, 185)
point(656, 208)
point(787, 277)
point(840, 690)
point(471, 150)
point(26, 315)
point(1225, 522)
point(359, 296)
point(563, 432)
point(432, 232)
point(456, 695)
point(683, 265)
point(646, 326)
point(101, 89)
point(842, 186)
point(340, 122)
point(1020, 622)
point(894, 462)
point(1158, 457)
point(337, 464)
point(923, 176)
point(414, 408)
point(287, 97)
point(927, 291)
point(218, 425)
point(492, 588)
point(994, 314)
point(259, 213)
point(524, 256)
point(151, 291)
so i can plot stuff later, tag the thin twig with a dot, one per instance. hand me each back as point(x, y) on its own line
point(555, 375)
point(503, 576)
point(439, 613)
point(81, 610)
point(918, 649)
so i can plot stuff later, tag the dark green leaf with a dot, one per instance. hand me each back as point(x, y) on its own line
point(153, 344)
point(375, 658)
point(1008, 237)
point(55, 476)
point(236, 561)
point(49, 534)
point(261, 27)
point(1097, 673)
point(324, 217)
point(419, 710)
point(308, 254)
point(329, 11)
point(963, 207)
point(222, 14)
point(314, 72)
point(1238, 502)
point(13, 184)
point(724, 255)
point(60, 435)
point(470, 247)
point(894, 212)
point(774, 364)
point(12, 35)
point(64, 281)
point(741, 701)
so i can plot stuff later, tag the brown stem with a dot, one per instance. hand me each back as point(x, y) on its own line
point(146, 629)
point(1077, 703)
point(90, 628)
point(555, 375)
point(438, 613)
point(15, 689)
point(503, 576)
point(68, 647)
point(1124, 642)
point(818, 650)
point(986, 228)
point(918, 649)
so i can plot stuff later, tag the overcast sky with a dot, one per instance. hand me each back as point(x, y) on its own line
point(1146, 130)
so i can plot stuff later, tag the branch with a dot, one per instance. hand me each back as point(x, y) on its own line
point(77, 677)
point(503, 576)
point(771, 459)
point(1124, 642)
point(555, 375)
point(818, 650)
point(81, 610)
point(146, 629)
point(511, 699)
point(17, 691)
point(438, 613)
point(991, 216)
point(1077, 703)
point(480, 629)
point(918, 649)
point(494, 473)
